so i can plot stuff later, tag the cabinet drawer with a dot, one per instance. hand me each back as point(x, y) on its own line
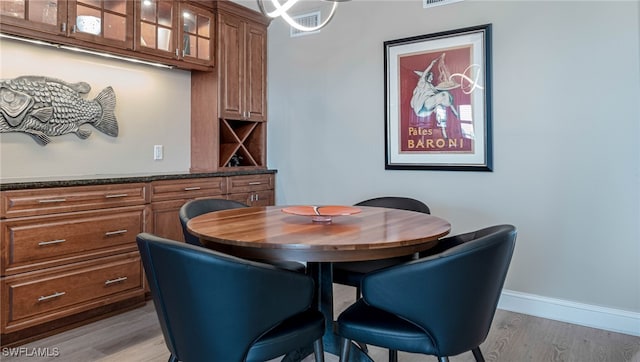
point(191, 188)
point(38, 242)
point(247, 183)
point(254, 198)
point(18, 203)
point(67, 290)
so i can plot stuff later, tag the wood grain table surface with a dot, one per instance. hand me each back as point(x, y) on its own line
point(269, 233)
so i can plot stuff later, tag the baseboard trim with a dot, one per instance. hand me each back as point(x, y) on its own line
point(609, 319)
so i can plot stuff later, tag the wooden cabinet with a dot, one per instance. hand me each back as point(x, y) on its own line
point(175, 30)
point(34, 16)
point(34, 243)
point(102, 22)
point(68, 253)
point(196, 35)
point(253, 190)
point(176, 33)
point(107, 23)
point(167, 197)
point(230, 105)
point(31, 299)
point(243, 51)
point(243, 109)
point(57, 200)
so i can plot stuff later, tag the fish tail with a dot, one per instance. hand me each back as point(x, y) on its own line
point(107, 123)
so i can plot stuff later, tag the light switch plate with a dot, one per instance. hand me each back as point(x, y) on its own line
point(158, 152)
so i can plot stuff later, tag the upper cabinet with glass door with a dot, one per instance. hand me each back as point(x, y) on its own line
point(106, 22)
point(155, 27)
point(175, 30)
point(25, 17)
point(196, 40)
point(102, 22)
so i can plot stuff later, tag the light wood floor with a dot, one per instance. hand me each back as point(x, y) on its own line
point(135, 336)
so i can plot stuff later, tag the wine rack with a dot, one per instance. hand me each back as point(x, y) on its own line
point(242, 143)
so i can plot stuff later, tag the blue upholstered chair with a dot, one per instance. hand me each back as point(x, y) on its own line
point(441, 304)
point(351, 273)
point(198, 207)
point(216, 307)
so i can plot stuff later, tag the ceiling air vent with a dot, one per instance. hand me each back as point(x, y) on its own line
point(434, 3)
point(309, 20)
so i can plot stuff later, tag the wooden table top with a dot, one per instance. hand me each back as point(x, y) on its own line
point(268, 233)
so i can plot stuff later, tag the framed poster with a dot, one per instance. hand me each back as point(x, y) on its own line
point(438, 101)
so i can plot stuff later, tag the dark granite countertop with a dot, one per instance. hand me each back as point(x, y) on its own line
point(61, 181)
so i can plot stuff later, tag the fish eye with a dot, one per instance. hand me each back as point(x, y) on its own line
point(8, 96)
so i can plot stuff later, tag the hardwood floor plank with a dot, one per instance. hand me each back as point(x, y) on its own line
point(152, 349)
point(506, 328)
point(135, 336)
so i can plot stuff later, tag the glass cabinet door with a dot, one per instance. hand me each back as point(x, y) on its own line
point(176, 30)
point(40, 15)
point(156, 27)
point(197, 34)
point(108, 22)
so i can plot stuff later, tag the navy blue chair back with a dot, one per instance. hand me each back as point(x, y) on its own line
point(351, 272)
point(452, 295)
point(197, 207)
point(215, 307)
point(396, 202)
point(441, 304)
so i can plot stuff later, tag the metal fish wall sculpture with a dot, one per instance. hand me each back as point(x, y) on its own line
point(43, 107)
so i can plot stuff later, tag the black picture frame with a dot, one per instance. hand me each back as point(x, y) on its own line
point(438, 109)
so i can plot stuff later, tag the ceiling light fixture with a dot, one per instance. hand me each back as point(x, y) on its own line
point(280, 10)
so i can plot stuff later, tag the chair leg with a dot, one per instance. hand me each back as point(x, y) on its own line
point(393, 355)
point(477, 353)
point(344, 350)
point(318, 350)
point(173, 358)
point(443, 359)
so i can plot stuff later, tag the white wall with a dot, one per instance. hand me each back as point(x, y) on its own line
point(566, 90)
point(153, 108)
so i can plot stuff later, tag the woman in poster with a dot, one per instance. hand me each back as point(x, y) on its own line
point(427, 98)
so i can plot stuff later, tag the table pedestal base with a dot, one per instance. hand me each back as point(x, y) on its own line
point(322, 274)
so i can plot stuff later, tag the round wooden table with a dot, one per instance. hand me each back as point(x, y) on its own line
point(270, 234)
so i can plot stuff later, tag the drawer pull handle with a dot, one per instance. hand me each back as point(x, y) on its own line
point(117, 232)
point(115, 196)
point(51, 201)
point(117, 280)
point(54, 295)
point(255, 183)
point(192, 188)
point(44, 243)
